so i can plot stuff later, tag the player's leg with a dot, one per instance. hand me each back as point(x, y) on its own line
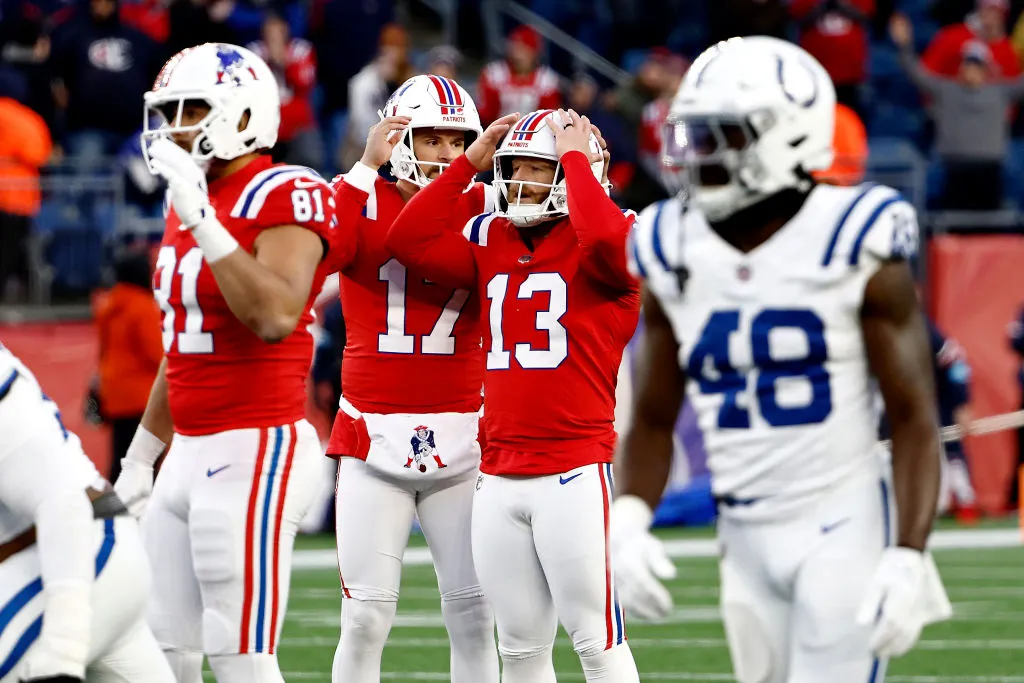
point(570, 526)
point(175, 607)
point(134, 658)
point(245, 506)
point(513, 580)
point(445, 513)
point(373, 516)
point(842, 556)
point(123, 647)
point(755, 612)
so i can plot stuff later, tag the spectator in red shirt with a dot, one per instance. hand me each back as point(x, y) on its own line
point(519, 82)
point(986, 24)
point(836, 33)
point(293, 62)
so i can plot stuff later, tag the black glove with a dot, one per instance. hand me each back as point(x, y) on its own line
point(53, 679)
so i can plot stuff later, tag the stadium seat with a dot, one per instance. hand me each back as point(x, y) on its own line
point(893, 121)
point(1013, 173)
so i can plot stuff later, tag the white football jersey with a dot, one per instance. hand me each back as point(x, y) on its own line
point(25, 412)
point(771, 340)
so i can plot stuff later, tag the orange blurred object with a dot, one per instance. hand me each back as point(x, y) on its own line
point(850, 142)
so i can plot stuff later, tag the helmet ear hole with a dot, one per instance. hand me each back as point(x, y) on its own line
point(243, 120)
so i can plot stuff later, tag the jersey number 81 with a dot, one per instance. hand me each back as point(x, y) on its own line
point(711, 368)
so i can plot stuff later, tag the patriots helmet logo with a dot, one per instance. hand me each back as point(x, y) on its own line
point(231, 66)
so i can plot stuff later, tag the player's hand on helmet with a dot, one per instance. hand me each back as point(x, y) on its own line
point(134, 486)
point(481, 152)
point(895, 602)
point(185, 180)
point(605, 154)
point(639, 561)
point(382, 138)
point(572, 134)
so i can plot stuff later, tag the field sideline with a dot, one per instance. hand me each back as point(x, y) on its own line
point(984, 643)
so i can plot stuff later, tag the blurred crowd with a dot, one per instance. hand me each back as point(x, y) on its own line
point(941, 76)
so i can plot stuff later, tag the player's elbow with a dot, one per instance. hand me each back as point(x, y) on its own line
point(273, 327)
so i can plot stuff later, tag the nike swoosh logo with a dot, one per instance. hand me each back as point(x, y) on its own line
point(827, 528)
point(414, 106)
point(303, 184)
point(565, 480)
point(210, 473)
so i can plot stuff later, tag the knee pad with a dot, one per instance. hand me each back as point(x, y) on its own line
point(365, 624)
point(247, 668)
point(527, 665)
point(614, 664)
point(467, 616)
point(186, 665)
point(753, 660)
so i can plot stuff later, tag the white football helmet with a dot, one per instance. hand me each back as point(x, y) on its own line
point(531, 137)
point(753, 116)
point(431, 102)
point(233, 81)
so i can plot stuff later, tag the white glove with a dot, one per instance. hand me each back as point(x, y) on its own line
point(134, 486)
point(639, 561)
point(135, 483)
point(185, 180)
point(904, 595)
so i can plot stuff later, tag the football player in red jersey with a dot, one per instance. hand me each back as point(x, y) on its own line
point(560, 306)
point(240, 264)
point(406, 434)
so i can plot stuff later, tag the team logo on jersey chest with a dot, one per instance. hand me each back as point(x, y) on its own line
point(743, 273)
point(423, 448)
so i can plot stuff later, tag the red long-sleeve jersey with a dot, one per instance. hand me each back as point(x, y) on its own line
point(412, 346)
point(220, 375)
point(558, 309)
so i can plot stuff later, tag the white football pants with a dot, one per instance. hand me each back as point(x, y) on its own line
point(541, 549)
point(123, 649)
point(219, 531)
point(791, 589)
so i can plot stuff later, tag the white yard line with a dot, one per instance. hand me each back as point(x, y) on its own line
point(946, 539)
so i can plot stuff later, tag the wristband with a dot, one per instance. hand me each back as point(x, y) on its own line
point(145, 447)
point(361, 177)
point(214, 239)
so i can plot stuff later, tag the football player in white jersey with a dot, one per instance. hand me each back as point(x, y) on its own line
point(73, 573)
point(783, 303)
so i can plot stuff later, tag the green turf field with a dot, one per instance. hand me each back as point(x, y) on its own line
point(983, 643)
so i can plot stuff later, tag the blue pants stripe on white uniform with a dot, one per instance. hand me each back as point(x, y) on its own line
point(620, 632)
point(30, 591)
point(261, 609)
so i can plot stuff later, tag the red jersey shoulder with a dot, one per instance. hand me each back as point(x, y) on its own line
point(287, 195)
point(478, 229)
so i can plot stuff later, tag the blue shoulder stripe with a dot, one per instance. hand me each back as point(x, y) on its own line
point(872, 219)
point(842, 223)
point(656, 237)
point(474, 231)
point(251, 194)
point(634, 250)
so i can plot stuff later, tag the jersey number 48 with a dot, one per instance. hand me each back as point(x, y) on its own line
point(711, 368)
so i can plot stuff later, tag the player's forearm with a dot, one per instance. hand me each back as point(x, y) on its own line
point(643, 464)
point(600, 225)
point(156, 419)
point(262, 300)
point(421, 236)
point(915, 471)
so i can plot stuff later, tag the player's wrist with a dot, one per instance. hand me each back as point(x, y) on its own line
point(631, 512)
point(214, 239)
point(362, 176)
point(145, 448)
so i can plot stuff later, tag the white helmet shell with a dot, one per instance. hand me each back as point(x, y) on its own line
point(234, 82)
point(754, 116)
point(531, 137)
point(431, 102)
